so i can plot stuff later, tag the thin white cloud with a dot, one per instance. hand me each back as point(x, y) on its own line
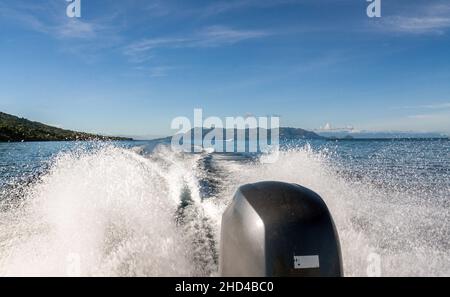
point(438, 121)
point(157, 8)
point(219, 7)
point(74, 28)
point(219, 35)
point(427, 18)
point(77, 36)
point(160, 71)
point(429, 120)
point(422, 116)
point(56, 26)
point(419, 24)
point(443, 105)
point(213, 36)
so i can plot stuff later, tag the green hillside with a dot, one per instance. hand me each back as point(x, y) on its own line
point(13, 128)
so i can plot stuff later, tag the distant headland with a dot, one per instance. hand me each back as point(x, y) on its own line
point(15, 129)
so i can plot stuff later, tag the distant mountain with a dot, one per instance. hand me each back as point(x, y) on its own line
point(285, 133)
point(295, 133)
point(379, 134)
point(13, 128)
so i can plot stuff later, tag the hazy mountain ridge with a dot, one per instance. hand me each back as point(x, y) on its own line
point(289, 133)
point(380, 135)
point(285, 133)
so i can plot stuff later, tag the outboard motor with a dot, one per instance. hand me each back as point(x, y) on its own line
point(278, 229)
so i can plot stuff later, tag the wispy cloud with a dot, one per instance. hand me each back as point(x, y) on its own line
point(419, 24)
point(74, 28)
point(160, 8)
point(219, 35)
point(157, 8)
point(443, 105)
point(77, 36)
point(429, 115)
point(219, 7)
point(159, 71)
point(428, 18)
point(432, 120)
point(58, 26)
point(213, 36)
point(155, 71)
point(422, 116)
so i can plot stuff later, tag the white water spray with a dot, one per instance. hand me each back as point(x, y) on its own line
point(111, 212)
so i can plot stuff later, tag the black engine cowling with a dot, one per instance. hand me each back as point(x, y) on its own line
point(278, 229)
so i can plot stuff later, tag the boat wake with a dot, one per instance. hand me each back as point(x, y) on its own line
point(123, 212)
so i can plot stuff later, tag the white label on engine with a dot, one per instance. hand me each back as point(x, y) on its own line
point(302, 262)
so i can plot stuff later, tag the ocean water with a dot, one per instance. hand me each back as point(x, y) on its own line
point(140, 209)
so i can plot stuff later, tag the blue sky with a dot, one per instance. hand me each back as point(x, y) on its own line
point(129, 67)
